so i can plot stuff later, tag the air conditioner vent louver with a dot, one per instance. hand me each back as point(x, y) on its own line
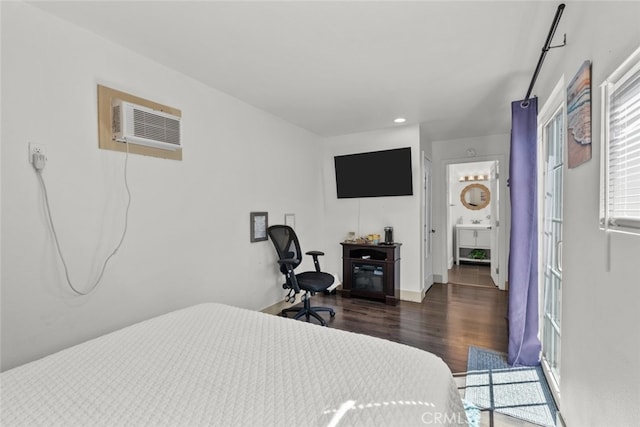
point(152, 126)
point(136, 124)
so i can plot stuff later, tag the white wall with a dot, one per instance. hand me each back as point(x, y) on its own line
point(188, 237)
point(495, 147)
point(600, 382)
point(370, 215)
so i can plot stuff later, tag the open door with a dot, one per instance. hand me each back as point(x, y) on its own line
point(495, 224)
point(427, 234)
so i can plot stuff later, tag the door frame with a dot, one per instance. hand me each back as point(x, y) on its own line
point(504, 219)
point(555, 101)
point(494, 186)
point(426, 211)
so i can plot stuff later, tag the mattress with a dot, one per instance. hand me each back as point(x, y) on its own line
point(213, 364)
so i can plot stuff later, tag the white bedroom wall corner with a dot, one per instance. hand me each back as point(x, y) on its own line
point(597, 306)
point(188, 220)
point(371, 215)
point(426, 143)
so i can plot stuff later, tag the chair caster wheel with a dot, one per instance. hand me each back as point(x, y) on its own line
point(332, 314)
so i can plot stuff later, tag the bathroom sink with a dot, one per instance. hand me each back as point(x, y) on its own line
point(473, 225)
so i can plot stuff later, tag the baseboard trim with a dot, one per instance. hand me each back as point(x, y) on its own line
point(412, 296)
point(277, 307)
point(281, 305)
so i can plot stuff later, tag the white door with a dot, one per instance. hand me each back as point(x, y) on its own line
point(427, 231)
point(495, 224)
point(553, 138)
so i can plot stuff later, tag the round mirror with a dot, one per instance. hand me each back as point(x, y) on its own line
point(475, 196)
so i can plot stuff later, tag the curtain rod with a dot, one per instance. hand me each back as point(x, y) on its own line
point(545, 49)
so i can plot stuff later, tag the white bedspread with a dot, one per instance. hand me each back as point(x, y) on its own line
point(213, 364)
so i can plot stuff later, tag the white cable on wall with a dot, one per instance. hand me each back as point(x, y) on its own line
point(38, 164)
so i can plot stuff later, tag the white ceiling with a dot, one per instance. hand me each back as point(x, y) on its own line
point(342, 67)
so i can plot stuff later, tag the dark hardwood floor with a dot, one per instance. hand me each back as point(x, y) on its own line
point(450, 319)
point(472, 275)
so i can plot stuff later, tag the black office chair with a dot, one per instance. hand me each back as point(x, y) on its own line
point(289, 257)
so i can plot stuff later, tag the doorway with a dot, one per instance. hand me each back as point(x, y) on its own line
point(473, 222)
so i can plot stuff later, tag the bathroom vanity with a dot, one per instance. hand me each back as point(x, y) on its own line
point(473, 243)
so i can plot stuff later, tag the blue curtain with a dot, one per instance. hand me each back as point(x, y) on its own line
point(524, 345)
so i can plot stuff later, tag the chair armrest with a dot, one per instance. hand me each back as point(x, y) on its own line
point(315, 255)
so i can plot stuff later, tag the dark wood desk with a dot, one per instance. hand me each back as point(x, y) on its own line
point(371, 271)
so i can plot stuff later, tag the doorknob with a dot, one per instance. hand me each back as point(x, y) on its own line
point(433, 231)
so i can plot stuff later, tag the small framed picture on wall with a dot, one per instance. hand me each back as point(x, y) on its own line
point(259, 222)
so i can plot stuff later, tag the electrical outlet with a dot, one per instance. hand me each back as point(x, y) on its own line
point(36, 149)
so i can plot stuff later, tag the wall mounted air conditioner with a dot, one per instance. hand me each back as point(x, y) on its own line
point(135, 124)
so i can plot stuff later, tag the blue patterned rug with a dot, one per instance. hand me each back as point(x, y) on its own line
point(472, 412)
point(520, 392)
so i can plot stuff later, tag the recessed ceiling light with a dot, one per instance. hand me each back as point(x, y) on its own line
point(400, 120)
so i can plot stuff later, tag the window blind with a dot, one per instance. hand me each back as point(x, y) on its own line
point(622, 139)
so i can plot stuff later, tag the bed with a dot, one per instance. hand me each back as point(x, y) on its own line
point(213, 364)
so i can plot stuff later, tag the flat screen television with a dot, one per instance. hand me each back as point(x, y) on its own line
point(374, 174)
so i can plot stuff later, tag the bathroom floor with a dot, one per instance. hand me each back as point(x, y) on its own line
point(472, 275)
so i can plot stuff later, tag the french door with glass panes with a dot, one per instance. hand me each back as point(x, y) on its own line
point(553, 137)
